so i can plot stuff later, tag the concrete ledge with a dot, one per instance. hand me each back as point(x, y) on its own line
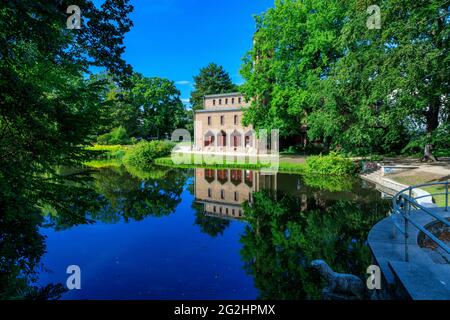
point(426, 199)
point(420, 272)
point(386, 169)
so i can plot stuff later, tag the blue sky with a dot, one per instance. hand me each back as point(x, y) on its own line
point(174, 38)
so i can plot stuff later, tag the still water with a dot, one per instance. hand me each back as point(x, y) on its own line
point(210, 234)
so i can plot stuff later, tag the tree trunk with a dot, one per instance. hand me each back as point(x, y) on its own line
point(432, 116)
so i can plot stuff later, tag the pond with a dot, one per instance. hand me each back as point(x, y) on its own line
point(208, 234)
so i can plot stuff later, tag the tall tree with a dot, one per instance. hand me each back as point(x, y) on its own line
point(146, 107)
point(391, 83)
point(48, 109)
point(159, 103)
point(212, 79)
point(293, 49)
point(359, 89)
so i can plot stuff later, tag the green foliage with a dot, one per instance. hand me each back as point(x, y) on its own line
point(332, 164)
point(116, 136)
point(212, 79)
point(332, 183)
point(292, 52)
point(146, 107)
point(109, 152)
point(144, 153)
point(48, 113)
point(359, 90)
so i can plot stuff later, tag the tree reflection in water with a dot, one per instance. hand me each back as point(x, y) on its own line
point(84, 197)
point(154, 193)
point(288, 223)
point(281, 240)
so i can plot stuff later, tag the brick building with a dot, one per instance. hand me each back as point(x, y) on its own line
point(218, 127)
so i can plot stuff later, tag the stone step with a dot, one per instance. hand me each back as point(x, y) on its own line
point(422, 283)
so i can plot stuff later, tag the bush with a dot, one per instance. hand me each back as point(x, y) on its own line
point(116, 136)
point(333, 164)
point(333, 183)
point(144, 153)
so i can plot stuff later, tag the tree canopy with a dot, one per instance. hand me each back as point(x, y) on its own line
point(48, 111)
point(359, 89)
point(148, 107)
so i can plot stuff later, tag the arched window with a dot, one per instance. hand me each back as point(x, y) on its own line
point(222, 139)
point(249, 139)
point(209, 139)
point(236, 177)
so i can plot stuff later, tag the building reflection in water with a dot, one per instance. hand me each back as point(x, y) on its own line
point(222, 192)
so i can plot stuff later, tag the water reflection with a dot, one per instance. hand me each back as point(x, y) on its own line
point(133, 199)
point(258, 233)
point(290, 223)
point(221, 193)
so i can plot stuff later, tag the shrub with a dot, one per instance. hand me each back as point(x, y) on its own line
point(329, 183)
point(108, 152)
point(143, 154)
point(333, 164)
point(116, 136)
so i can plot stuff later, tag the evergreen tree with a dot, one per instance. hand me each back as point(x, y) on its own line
point(212, 79)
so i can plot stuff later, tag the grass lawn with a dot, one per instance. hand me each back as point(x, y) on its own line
point(283, 166)
point(112, 156)
point(97, 164)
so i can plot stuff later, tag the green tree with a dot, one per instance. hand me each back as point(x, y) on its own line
point(159, 103)
point(391, 83)
point(145, 107)
point(212, 79)
point(49, 110)
point(117, 108)
point(294, 47)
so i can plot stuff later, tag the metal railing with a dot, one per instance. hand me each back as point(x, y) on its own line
point(405, 201)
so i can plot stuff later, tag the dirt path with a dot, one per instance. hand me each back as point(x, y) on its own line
point(429, 172)
point(426, 173)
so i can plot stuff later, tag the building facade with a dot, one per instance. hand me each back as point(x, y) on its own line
point(218, 127)
point(222, 192)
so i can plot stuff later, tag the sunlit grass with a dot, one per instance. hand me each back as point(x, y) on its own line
point(417, 179)
point(97, 164)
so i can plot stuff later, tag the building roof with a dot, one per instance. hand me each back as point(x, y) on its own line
point(223, 95)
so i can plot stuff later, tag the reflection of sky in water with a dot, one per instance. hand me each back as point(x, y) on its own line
point(158, 258)
point(169, 257)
